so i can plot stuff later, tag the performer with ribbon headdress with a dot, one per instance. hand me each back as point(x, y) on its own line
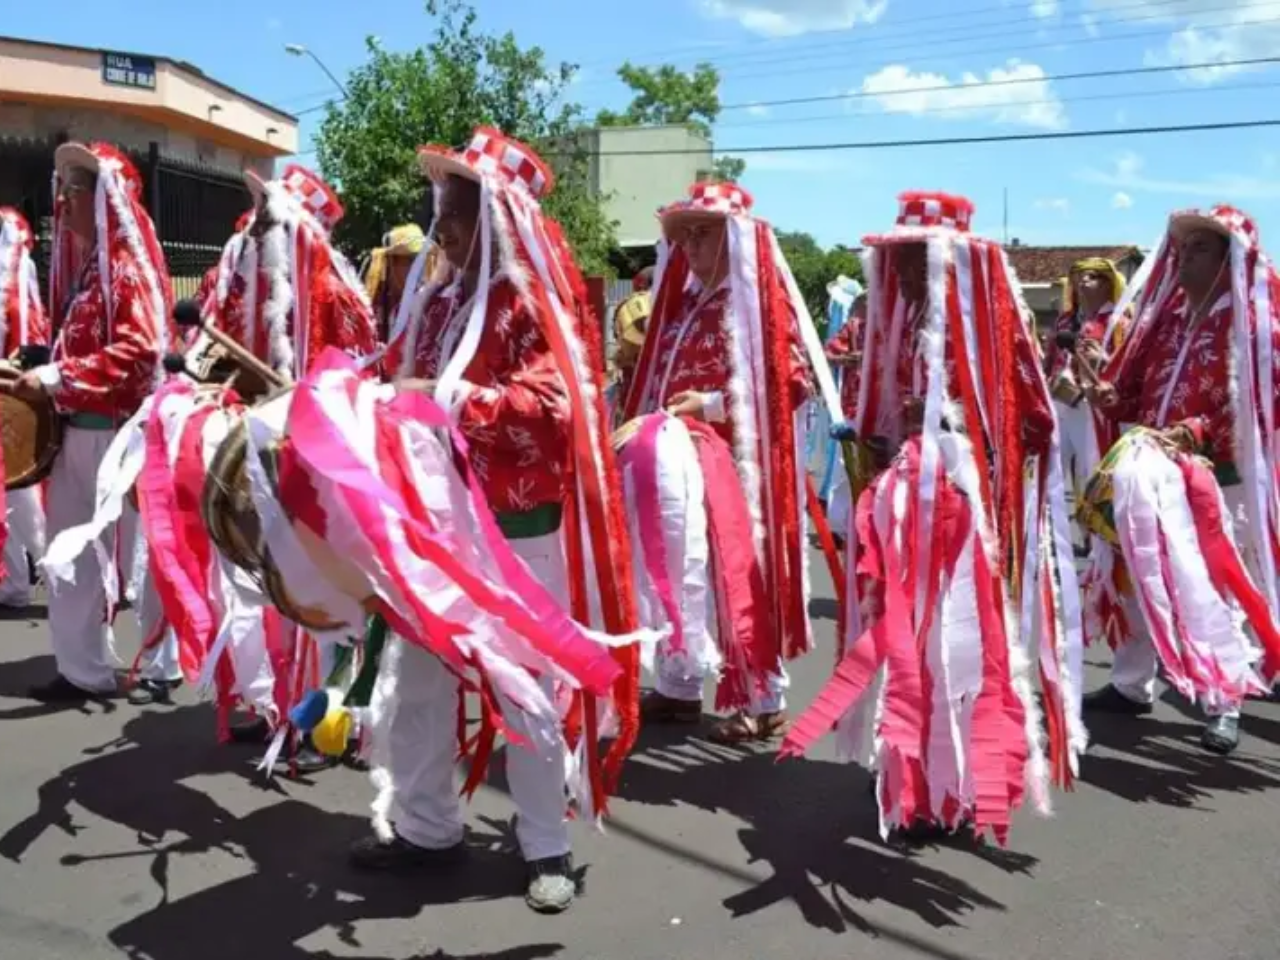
point(715, 468)
point(1189, 497)
point(960, 556)
point(110, 286)
point(847, 313)
point(388, 270)
point(23, 325)
point(503, 342)
point(1076, 352)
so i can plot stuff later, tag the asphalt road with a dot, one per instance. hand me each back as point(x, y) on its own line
point(128, 832)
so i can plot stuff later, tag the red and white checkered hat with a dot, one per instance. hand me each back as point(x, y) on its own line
point(491, 153)
point(307, 189)
point(926, 213)
point(1223, 219)
point(707, 200)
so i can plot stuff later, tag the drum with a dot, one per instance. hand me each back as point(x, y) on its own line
point(1095, 509)
point(214, 365)
point(31, 432)
point(226, 507)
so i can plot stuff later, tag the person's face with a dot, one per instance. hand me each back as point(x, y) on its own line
point(457, 214)
point(1200, 258)
point(1092, 289)
point(398, 273)
point(77, 192)
point(912, 273)
point(704, 244)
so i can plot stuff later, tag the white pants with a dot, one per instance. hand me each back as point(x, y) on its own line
point(1075, 427)
point(840, 504)
point(682, 674)
point(426, 808)
point(25, 520)
point(82, 639)
point(1136, 664)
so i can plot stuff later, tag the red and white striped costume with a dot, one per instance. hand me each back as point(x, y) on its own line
point(1200, 538)
point(962, 568)
point(23, 322)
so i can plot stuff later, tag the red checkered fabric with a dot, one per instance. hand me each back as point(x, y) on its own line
point(719, 199)
point(313, 194)
point(919, 209)
point(1235, 222)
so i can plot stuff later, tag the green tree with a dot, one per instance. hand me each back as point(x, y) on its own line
point(814, 268)
point(463, 77)
point(664, 95)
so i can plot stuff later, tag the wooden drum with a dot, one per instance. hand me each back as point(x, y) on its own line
point(31, 433)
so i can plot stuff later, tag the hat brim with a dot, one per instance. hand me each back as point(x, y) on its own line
point(678, 221)
point(74, 156)
point(1180, 225)
point(437, 167)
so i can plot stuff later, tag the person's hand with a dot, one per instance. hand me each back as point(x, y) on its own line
point(1182, 438)
point(1102, 395)
point(416, 385)
point(844, 430)
point(27, 387)
point(687, 403)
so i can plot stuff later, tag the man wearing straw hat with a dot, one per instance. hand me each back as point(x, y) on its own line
point(110, 287)
point(387, 273)
point(501, 341)
point(730, 358)
point(1201, 366)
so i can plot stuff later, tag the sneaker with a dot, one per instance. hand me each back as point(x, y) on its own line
point(158, 692)
point(1221, 735)
point(1111, 700)
point(551, 886)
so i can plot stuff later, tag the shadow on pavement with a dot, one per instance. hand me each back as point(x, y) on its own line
point(1160, 761)
point(813, 823)
point(296, 880)
point(17, 677)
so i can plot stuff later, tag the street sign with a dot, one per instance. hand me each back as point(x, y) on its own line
point(127, 70)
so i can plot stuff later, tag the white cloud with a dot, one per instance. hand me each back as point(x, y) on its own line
point(1203, 32)
point(757, 110)
point(1044, 8)
point(1127, 173)
point(1028, 102)
point(1059, 204)
point(789, 18)
point(1121, 201)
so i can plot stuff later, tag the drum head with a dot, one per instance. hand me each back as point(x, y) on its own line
point(31, 435)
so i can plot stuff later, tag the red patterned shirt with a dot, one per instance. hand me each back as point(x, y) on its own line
point(514, 406)
point(104, 371)
point(1181, 375)
point(843, 345)
point(693, 355)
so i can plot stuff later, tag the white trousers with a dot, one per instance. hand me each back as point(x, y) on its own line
point(82, 639)
point(682, 674)
point(426, 808)
point(840, 504)
point(1136, 664)
point(25, 520)
point(1075, 428)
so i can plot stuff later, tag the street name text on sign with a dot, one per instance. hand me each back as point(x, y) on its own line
point(127, 70)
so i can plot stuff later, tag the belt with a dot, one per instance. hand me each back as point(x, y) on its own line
point(91, 421)
point(1226, 474)
point(538, 522)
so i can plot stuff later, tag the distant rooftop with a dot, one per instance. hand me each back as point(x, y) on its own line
point(1051, 264)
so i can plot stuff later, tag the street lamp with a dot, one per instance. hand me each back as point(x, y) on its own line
point(298, 50)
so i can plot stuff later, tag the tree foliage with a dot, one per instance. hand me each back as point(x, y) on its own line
point(666, 96)
point(814, 268)
point(438, 93)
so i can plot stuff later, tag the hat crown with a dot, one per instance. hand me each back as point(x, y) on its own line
point(927, 209)
point(720, 197)
point(493, 152)
point(313, 195)
point(1236, 222)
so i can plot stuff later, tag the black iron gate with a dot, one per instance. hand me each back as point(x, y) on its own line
point(194, 206)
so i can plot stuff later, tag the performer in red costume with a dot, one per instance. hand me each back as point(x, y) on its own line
point(498, 341)
point(110, 286)
point(23, 324)
point(961, 569)
point(724, 349)
point(1201, 365)
point(281, 289)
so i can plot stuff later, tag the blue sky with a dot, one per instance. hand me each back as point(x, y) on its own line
point(876, 54)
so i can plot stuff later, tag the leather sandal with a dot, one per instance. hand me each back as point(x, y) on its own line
point(744, 728)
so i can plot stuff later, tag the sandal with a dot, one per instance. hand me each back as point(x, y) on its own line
point(743, 728)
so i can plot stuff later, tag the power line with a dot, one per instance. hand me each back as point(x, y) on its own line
point(947, 141)
point(1003, 105)
point(1007, 82)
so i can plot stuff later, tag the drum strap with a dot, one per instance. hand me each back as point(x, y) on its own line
point(91, 421)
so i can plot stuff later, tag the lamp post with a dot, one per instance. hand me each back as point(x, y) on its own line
point(298, 50)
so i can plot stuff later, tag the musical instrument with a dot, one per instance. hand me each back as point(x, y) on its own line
point(217, 358)
point(1065, 386)
point(1095, 508)
point(30, 430)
